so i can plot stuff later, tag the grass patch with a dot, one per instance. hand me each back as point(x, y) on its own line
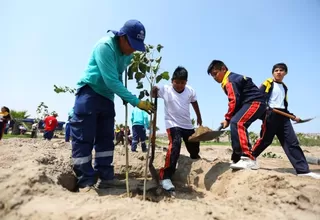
point(8, 136)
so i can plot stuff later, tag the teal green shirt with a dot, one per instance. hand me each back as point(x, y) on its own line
point(104, 71)
point(139, 117)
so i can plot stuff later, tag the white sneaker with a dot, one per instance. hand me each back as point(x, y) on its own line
point(167, 184)
point(245, 163)
point(311, 174)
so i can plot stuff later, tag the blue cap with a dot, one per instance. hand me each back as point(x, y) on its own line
point(135, 32)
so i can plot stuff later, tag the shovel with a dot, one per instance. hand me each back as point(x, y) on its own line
point(291, 116)
point(208, 136)
point(152, 170)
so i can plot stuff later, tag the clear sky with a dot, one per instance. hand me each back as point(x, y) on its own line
point(43, 43)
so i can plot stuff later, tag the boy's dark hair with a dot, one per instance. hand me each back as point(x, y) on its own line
point(216, 64)
point(180, 73)
point(281, 66)
point(6, 108)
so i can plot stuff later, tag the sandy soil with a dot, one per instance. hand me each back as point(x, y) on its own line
point(36, 182)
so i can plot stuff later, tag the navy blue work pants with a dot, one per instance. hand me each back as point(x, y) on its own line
point(92, 127)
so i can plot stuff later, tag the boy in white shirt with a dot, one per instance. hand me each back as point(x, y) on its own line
point(177, 98)
point(276, 124)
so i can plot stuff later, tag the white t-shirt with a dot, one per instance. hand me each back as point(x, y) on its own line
point(177, 106)
point(277, 96)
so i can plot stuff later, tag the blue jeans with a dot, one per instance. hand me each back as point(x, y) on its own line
point(92, 127)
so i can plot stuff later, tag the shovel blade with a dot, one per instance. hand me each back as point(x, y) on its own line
point(208, 136)
point(304, 120)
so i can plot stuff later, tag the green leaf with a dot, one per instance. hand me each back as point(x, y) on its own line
point(143, 67)
point(138, 76)
point(141, 95)
point(146, 92)
point(158, 60)
point(145, 60)
point(159, 47)
point(140, 85)
point(158, 78)
point(165, 75)
point(155, 68)
point(150, 47)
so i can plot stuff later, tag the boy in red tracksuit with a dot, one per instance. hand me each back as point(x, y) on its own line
point(246, 105)
point(50, 125)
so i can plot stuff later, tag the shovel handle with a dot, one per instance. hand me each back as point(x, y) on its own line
point(283, 113)
point(220, 127)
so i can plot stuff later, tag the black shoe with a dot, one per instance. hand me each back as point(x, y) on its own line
point(195, 157)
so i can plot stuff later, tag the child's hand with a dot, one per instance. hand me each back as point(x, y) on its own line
point(297, 119)
point(199, 121)
point(225, 124)
point(155, 90)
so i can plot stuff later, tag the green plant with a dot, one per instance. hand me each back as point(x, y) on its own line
point(253, 137)
point(146, 66)
point(19, 114)
point(270, 155)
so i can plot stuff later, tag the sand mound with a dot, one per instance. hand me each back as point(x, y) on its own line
point(37, 182)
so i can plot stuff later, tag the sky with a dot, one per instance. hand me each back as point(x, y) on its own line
point(43, 43)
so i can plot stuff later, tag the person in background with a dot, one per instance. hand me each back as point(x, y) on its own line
point(67, 128)
point(140, 123)
point(51, 124)
point(4, 118)
point(34, 129)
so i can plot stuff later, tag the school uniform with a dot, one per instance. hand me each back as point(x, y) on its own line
point(277, 125)
point(179, 127)
point(246, 105)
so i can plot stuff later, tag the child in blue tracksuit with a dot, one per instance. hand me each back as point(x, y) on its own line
point(277, 125)
point(92, 123)
point(140, 123)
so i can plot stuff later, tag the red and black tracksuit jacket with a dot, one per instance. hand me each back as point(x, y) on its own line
point(246, 105)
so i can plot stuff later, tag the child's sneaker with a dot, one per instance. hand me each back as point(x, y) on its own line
point(86, 189)
point(167, 184)
point(311, 174)
point(245, 163)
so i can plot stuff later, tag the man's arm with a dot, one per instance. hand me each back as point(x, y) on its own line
point(233, 97)
point(105, 59)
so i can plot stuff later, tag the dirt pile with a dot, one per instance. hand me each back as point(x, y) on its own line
point(36, 182)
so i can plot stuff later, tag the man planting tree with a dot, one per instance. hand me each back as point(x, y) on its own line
point(92, 124)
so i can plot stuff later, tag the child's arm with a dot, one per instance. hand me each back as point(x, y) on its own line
point(195, 106)
point(234, 100)
point(197, 111)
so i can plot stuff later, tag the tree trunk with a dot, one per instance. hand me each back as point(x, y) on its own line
point(15, 129)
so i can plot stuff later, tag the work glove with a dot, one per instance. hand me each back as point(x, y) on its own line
point(146, 106)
